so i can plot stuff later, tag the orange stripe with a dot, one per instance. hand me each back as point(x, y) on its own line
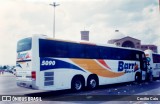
point(93, 67)
point(21, 62)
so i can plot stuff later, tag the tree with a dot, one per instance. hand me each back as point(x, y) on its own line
point(4, 67)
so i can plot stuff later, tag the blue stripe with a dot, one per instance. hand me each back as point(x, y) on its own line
point(50, 63)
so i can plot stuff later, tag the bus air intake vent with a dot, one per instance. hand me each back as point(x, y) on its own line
point(48, 78)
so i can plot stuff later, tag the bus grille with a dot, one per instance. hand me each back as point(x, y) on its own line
point(48, 78)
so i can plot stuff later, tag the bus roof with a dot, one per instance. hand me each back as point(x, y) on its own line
point(85, 42)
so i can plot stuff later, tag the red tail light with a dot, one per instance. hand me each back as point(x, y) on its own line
point(33, 75)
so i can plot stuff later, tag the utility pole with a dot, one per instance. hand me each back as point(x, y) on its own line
point(159, 5)
point(54, 6)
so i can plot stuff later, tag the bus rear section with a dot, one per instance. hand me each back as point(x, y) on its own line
point(26, 76)
point(153, 62)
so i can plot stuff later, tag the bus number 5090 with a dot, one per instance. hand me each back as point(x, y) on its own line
point(46, 63)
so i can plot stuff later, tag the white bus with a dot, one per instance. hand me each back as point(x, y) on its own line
point(50, 64)
point(153, 63)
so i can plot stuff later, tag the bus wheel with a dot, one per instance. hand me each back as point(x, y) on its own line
point(92, 82)
point(137, 78)
point(77, 84)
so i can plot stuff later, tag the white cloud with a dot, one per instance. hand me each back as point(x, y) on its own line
point(136, 18)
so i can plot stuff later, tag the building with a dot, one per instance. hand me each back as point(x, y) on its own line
point(128, 41)
point(151, 47)
point(85, 35)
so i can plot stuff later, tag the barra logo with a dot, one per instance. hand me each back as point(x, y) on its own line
point(48, 63)
point(128, 67)
point(23, 56)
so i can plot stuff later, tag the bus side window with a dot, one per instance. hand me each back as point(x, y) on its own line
point(76, 50)
point(121, 54)
point(91, 52)
point(61, 49)
point(104, 53)
point(46, 48)
point(113, 54)
point(156, 58)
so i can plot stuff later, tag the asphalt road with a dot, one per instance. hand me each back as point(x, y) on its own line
point(101, 95)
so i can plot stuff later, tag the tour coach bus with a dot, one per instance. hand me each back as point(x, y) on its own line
point(51, 64)
point(153, 63)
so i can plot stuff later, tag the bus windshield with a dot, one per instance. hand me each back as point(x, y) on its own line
point(24, 45)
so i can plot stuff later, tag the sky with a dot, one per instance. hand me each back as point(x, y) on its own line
point(22, 18)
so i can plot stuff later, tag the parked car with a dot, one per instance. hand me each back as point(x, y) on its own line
point(14, 71)
point(1, 71)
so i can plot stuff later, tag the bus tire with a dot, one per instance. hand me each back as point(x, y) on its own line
point(92, 82)
point(138, 78)
point(77, 83)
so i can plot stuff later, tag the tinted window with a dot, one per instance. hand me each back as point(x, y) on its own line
point(24, 45)
point(91, 52)
point(52, 48)
point(76, 50)
point(105, 53)
point(49, 48)
point(60, 49)
point(156, 58)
